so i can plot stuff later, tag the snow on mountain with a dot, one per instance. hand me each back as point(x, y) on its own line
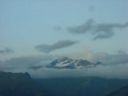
point(69, 63)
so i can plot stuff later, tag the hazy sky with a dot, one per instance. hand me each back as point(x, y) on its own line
point(25, 24)
point(59, 27)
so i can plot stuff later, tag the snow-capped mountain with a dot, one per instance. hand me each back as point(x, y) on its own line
point(69, 63)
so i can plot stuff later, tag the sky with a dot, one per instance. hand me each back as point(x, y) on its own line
point(76, 28)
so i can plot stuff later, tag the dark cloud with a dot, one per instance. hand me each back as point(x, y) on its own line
point(84, 28)
point(6, 51)
point(58, 45)
point(98, 31)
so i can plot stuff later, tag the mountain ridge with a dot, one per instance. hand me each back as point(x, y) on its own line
point(69, 63)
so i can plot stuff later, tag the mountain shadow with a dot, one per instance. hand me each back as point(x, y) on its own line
point(121, 92)
point(81, 86)
point(18, 84)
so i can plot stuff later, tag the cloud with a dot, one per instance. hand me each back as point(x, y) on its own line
point(84, 28)
point(98, 31)
point(1, 66)
point(25, 63)
point(6, 50)
point(36, 67)
point(118, 58)
point(114, 66)
point(91, 8)
point(115, 71)
point(57, 28)
point(58, 45)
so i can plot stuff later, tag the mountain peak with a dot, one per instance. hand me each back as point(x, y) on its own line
point(69, 63)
